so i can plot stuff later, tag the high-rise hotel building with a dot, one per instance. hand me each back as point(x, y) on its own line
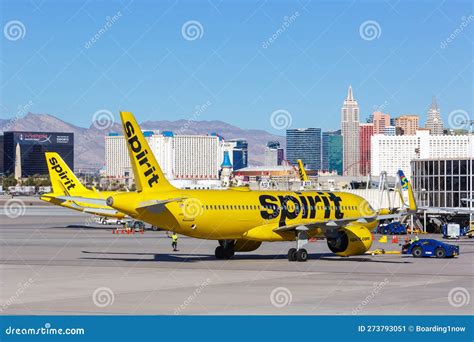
point(365, 134)
point(179, 156)
point(393, 153)
point(408, 124)
point(350, 135)
point(304, 144)
point(434, 122)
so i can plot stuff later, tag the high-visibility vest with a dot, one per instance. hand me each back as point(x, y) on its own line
point(174, 237)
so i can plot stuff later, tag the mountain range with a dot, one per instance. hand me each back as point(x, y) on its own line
point(89, 149)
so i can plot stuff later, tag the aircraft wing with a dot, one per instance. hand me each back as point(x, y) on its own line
point(331, 224)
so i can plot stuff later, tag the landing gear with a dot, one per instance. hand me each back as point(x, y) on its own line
point(225, 250)
point(299, 253)
point(292, 254)
point(302, 255)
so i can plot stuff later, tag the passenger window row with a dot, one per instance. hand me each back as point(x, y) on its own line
point(260, 207)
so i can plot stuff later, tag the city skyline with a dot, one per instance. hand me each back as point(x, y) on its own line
point(246, 61)
point(423, 119)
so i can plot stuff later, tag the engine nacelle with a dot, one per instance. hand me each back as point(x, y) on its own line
point(240, 245)
point(246, 245)
point(351, 240)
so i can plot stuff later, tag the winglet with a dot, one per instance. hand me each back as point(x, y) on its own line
point(148, 174)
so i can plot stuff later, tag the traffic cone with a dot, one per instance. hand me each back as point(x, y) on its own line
point(394, 238)
point(383, 239)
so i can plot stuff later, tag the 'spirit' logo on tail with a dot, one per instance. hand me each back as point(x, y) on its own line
point(140, 154)
point(62, 174)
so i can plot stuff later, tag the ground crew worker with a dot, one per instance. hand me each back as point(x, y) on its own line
point(174, 241)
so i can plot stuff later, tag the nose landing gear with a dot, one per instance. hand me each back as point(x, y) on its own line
point(299, 253)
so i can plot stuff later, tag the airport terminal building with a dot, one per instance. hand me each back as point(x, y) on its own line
point(442, 183)
point(30, 147)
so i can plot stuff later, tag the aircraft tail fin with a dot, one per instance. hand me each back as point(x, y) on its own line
point(147, 173)
point(63, 180)
point(302, 171)
point(407, 186)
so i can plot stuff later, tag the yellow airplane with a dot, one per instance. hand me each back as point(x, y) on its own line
point(406, 185)
point(239, 218)
point(69, 192)
point(302, 171)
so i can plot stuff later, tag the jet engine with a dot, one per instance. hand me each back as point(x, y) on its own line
point(351, 240)
point(246, 245)
point(241, 245)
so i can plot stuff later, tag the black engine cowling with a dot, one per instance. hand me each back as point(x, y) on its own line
point(348, 241)
point(240, 245)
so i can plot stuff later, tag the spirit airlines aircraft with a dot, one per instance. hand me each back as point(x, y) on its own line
point(302, 171)
point(239, 218)
point(69, 192)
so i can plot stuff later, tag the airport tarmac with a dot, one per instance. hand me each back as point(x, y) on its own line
point(55, 261)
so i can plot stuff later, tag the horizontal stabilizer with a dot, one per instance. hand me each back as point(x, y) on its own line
point(97, 201)
point(157, 203)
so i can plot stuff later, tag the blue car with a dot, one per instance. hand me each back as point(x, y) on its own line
point(393, 228)
point(430, 248)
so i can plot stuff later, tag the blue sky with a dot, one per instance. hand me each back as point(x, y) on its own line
point(144, 64)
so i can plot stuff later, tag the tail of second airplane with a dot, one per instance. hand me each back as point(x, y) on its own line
point(302, 171)
point(63, 180)
point(148, 175)
point(407, 186)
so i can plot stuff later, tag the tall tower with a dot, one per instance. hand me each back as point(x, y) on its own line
point(18, 162)
point(365, 134)
point(304, 144)
point(350, 135)
point(434, 122)
point(226, 170)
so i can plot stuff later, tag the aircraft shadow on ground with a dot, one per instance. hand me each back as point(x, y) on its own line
point(100, 227)
point(83, 226)
point(183, 257)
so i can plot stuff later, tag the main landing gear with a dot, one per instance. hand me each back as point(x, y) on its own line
point(299, 253)
point(225, 250)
